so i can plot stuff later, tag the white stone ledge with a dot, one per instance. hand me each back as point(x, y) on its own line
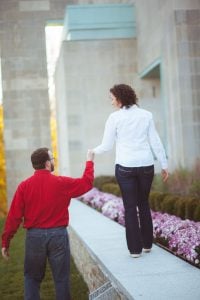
point(158, 275)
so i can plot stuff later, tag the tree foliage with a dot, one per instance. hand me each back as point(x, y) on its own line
point(54, 141)
point(3, 198)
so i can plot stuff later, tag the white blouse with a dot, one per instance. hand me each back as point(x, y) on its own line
point(135, 135)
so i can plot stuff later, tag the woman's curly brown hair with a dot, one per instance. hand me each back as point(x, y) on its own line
point(124, 94)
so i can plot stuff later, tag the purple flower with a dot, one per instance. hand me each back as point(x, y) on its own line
point(114, 209)
point(182, 236)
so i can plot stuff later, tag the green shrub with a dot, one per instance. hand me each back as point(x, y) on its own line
point(185, 207)
point(158, 185)
point(196, 215)
point(151, 200)
point(180, 206)
point(152, 197)
point(191, 206)
point(195, 188)
point(159, 200)
point(99, 181)
point(179, 181)
point(156, 199)
point(112, 188)
point(168, 204)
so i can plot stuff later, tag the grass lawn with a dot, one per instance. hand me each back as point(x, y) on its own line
point(11, 275)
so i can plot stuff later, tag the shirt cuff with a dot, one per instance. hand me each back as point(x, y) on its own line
point(5, 245)
point(164, 165)
point(97, 150)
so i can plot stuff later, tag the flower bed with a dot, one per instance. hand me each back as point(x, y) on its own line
point(182, 237)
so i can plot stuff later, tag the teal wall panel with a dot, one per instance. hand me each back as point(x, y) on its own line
point(105, 21)
point(152, 70)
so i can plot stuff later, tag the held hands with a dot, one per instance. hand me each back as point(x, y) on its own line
point(5, 253)
point(164, 174)
point(90, 155)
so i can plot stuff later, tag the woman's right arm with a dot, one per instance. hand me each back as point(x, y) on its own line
point(108, 137)
point(158, 149)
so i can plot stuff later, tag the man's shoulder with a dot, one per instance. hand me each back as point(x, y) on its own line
point(56, 177)
point(23, 183)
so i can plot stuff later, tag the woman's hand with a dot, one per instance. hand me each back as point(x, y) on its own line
point(164, 174)
point(90, 155)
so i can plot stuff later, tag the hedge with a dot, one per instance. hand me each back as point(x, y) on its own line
point(99, 181)
point(185, 207)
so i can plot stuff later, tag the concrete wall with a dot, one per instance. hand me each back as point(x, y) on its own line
point(187, 26)
point(85, 72)
point(171, 33)
point(90, 269)
point(24, 76)
point(150, 98)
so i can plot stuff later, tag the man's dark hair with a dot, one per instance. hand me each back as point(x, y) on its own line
point(124, 94)
point(39, 158)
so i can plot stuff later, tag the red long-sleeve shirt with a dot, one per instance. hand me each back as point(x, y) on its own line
point(42, 201)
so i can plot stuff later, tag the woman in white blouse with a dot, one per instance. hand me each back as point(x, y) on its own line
point(133, 131)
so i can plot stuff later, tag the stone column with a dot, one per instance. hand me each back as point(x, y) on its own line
point(172, 35)
point(188, 62)
point(25, 86)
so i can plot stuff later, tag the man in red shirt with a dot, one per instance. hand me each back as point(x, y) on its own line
point(42, 202)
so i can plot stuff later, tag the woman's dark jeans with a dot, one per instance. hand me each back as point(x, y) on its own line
point(43, 244)
point(135, 184)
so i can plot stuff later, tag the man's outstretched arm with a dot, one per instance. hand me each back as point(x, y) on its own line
point(75, 187)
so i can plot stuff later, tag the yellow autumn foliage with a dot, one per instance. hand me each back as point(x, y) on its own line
point(54, 141)
point(3, 198)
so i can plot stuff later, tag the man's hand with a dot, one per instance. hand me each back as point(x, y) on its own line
point(164, 174)
point(5, 253)
point(90, 155)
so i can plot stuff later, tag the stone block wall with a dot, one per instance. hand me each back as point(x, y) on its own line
point(88, 266)
point(170, 33)
point(188, 66)
point(85, 72)
point(24, 76)
point(24, 80)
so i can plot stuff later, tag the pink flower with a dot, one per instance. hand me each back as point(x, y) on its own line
point(182, 236)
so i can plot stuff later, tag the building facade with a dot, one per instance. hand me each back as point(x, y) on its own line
point(24, 80)
point(153, 46)
point(168, 38)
